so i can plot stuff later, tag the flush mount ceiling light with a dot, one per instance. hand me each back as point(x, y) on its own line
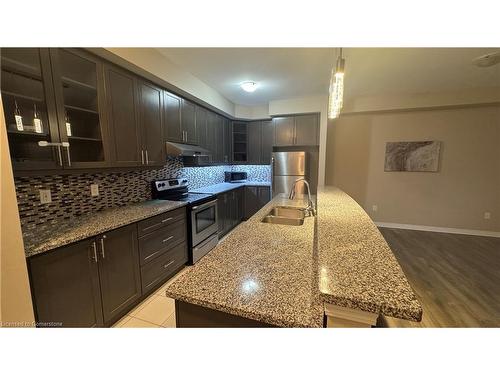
point(336, 98)
point(249, 86)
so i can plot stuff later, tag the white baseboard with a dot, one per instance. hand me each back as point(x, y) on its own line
point(472, 232)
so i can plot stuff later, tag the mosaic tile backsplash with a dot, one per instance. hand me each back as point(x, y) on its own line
point(71, 193)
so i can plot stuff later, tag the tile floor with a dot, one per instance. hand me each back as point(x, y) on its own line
point(156, 311)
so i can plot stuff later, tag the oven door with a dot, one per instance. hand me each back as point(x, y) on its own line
point(203, 221)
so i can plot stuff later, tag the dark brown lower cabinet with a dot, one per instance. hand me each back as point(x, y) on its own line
point(65, 287)
point(118, 260)
point(94, 282)
point(229, 210)
point(256, 197)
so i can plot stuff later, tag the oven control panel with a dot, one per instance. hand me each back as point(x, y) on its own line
point(174, 183)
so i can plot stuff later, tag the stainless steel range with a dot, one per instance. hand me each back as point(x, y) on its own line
point(201, 213)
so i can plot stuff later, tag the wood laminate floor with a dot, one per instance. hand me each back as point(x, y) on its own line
point(456, 277)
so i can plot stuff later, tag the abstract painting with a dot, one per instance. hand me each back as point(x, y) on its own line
point(412, 156)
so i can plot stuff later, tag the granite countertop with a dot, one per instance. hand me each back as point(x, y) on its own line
point(227, 186)
point(51, 236)
point(282, 275)
point(260, 271)
point(357, 268)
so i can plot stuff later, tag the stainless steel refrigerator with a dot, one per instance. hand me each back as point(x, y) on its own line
point(288, 167)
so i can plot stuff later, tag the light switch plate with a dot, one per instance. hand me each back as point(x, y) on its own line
point(374, 208)
point(45, 196)
point(487, 215)
point(94, 190)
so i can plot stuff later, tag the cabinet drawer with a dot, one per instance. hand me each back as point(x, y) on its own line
point(159, 221)
point(155, 243)
point(163, 267)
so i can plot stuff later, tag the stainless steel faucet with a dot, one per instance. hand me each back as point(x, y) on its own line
point(310, 205)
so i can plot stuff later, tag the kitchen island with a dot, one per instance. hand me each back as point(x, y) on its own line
point(334, 267)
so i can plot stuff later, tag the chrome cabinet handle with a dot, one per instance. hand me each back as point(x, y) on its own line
point(102, 246)
point(60, 155)
point(66, 145)
point(54, 144)
point(167, 239)
point(94, 248)
point(142, 156)
point(147, 157)
point(168, 264)
point(167, 219)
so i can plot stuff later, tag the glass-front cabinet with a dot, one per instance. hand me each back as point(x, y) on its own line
point(52, 102)
point(29, 108)
point(78, 83)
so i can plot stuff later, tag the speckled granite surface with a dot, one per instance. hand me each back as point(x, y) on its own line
point(49, 237)
point(260, 271)
point(282, 274)
point(357, 269)
point(227, 186)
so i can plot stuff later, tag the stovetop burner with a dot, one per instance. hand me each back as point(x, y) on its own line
point(176, 189)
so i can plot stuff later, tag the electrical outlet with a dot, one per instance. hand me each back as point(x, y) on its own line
point(94, 190)
point(487, 216)
point(45, 196)
point(374, 208)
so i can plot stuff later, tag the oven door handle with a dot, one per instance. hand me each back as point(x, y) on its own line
point(208, 204)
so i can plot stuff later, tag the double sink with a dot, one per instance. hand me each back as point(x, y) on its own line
point(285, 215)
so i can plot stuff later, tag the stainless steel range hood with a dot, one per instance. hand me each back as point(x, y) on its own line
point(179, 149)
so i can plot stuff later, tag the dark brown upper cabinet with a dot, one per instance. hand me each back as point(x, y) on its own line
point(65, 286)
point(201, 126)
point(301, 130)
point(307, 130)
point(228, 140)
point(285, 131)
point(30, 109)
point(211, 131)
point(79, 92)
point(188, 125)
point(240, 140)
point(254, 132)
point(124, 128)
point(267, 142)
point(172, 117)
point(150, 120)
point(219, 139)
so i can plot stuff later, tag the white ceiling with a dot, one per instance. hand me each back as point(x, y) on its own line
point(298, 72)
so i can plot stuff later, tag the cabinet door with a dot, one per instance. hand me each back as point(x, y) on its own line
point(254, 130)
point(201, 126)
point(119, 271)
point(284, 130)
point(172, 117)
point(27, 89)
point(188, 122)
point(222, 208)
point(65, 286)
point(219, 139)
point(251, 201)
point(267, 142)
point(125, 134)
point(150, 116)
point(79, 91)
point(211, 130)
point(306, 130)
point(228, 139)
point(240, 197)
point(264, 193)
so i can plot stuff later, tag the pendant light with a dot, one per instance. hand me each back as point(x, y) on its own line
point(335, 101)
